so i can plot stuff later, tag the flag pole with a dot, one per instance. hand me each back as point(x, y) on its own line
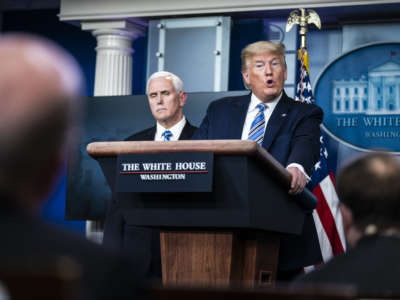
point(303, 18)
point(327, 217)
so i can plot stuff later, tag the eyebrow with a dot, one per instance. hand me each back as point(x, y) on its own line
point(161, 92)
point(263, 61)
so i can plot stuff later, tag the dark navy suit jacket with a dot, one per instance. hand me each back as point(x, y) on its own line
point(150, 133)
point(140, 244)
point(292, 136)
point(372, 267)
point(28, 244)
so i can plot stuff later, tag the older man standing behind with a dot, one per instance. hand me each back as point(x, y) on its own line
point(166, 98)
point(288, 130)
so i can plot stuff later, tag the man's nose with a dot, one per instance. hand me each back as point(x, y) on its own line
point(268, 69)
point(160, 98)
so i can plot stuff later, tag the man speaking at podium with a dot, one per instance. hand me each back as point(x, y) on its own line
point(288, 130)
point(166, 99)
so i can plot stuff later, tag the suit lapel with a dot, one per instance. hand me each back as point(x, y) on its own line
point(238, 114)
point(187, 131)
point(276, 120)
point(151, 134)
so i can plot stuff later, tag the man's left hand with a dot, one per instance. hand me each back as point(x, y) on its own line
point(298, 182)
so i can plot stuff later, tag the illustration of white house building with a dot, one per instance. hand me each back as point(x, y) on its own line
point(376, 93)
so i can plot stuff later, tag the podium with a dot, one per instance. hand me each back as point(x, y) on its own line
point(227, 236)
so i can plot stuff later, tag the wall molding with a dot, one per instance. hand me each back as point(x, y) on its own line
point(73, 10)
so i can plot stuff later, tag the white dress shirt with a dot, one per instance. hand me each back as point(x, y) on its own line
point(269, 109)
point(253, 110)
point(176, 130)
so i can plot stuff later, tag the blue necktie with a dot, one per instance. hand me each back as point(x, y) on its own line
point(256, 132)
point(167, 135)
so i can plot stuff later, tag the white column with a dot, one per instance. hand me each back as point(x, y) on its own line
point(113, 75)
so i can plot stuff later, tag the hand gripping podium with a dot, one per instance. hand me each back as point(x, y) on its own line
point(225, 236)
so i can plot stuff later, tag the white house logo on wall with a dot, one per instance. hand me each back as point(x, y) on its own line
point(360, 95)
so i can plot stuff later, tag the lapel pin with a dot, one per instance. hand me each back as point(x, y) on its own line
point(283, 115)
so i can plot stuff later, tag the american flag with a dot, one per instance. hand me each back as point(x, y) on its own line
point(327, 217)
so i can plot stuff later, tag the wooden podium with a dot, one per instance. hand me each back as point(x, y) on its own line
point(229, 236)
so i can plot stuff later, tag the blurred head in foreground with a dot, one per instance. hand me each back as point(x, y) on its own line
point(369, 191)
point(39, 87)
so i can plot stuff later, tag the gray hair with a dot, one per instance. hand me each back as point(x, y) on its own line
point(176, 81)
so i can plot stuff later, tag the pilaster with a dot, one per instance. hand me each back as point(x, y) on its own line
point(113, 74)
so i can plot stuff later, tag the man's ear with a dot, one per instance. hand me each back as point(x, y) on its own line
point(52, 173)
point(350, 230)
point(40, 188)
point(347, 216)
point(246, 77)
point(182, 99)
point(285, 73)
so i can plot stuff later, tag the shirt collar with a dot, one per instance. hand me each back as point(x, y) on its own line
point(176, 129)
point(271, 105)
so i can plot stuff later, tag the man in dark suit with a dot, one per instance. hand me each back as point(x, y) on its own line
point(369, 192)
point(288, 130)
point(39, 89)
point(166, 99)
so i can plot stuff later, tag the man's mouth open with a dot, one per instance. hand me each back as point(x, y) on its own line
point(269, 83)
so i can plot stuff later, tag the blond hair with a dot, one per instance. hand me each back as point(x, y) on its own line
point(261, 47)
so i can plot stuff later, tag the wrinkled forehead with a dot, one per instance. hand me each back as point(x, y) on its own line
point(265, 57)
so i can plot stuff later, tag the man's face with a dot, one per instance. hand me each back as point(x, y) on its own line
point(165, 103)
point(265, 75)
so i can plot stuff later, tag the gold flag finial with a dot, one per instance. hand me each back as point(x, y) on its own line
point(303, 20)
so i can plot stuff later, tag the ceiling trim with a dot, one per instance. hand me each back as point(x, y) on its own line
point(71, 10)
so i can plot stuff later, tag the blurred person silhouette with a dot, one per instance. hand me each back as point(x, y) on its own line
point(39, 108)
point(369, 192)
